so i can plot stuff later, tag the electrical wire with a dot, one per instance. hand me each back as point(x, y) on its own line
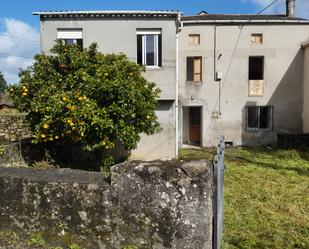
point(236, 45)
point(15, 55)
point(265, 8)
point(32, 42)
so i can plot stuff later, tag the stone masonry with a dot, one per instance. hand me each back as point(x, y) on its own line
point(147, 205)
point(12, 128)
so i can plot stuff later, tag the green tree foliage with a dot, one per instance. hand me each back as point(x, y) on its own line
point(87, 97)
point(3, 83)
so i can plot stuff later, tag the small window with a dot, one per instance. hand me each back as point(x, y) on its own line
point(259, 118)
point(165, 105)
point(194, 69)
point(194, 39)
point(149, 48)
point(256, 68)
point(71, 36)
point(257, 38)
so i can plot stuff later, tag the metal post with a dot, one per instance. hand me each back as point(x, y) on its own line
point(218, 195)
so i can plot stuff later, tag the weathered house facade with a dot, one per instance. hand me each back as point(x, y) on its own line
point(142, 35)
point(237, 75)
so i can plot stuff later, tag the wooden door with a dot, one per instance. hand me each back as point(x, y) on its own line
point(195, 125)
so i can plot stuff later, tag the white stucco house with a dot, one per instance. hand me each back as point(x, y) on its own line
point(241, 76)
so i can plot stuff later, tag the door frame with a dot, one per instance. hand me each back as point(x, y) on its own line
point(186, 122)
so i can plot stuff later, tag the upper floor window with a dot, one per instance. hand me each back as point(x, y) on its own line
point(149, 48)
point(194, 69)
point(256, 68)
point(257, 38)
point(71, 36)
point(194, 39)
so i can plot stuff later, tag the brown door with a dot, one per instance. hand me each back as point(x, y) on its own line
point(195, 125)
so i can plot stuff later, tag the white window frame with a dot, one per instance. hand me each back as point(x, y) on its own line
point(70, 34)
point(144, 47)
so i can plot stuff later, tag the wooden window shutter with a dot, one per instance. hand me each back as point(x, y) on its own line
point(194, 39)
point(191, 39)
point(257, 38)
point(197, 69)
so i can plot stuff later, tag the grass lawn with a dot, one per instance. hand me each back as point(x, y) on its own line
point(266, 197)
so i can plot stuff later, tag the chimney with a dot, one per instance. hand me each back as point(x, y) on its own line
point(290, 8)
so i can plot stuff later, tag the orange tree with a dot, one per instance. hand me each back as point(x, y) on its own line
point(86, 97)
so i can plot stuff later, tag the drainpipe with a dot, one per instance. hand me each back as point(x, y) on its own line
point(215, 52)
point(178, 29)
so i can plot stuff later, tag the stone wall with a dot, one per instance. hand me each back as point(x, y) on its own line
point(12, 127)
point(147, 205)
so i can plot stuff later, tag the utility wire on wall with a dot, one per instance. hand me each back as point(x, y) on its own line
point(221, 86)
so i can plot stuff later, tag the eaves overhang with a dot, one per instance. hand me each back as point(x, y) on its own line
point(244, 22)
point(108, 14)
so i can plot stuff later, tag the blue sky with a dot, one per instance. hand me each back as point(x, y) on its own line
point(19, 29)
point(25, 8)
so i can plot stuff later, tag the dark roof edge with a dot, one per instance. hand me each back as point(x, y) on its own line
point(233, 21)
point(160, 13)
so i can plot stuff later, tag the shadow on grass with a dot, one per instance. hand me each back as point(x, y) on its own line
point(296, 155)
point(245, 161)
point(263, 157)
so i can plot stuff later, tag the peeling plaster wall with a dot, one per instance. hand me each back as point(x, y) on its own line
point(148, 205)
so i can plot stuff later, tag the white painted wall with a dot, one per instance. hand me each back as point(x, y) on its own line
point(118, 35)
point(283, 79)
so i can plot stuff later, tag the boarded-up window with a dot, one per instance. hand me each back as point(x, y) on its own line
point(257, 38)
point(259, 118)
point(194, 39)
point(256, 68)
point(194, 68)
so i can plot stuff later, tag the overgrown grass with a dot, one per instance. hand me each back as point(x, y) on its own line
point(12, 240)
point(266, 197)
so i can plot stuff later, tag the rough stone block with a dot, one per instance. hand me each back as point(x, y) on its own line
point(149, 205)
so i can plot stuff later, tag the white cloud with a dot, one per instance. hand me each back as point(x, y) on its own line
point(302, 6)
point(17, 38)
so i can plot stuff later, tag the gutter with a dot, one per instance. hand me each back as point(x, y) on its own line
point(266, 21)
point(107, 12)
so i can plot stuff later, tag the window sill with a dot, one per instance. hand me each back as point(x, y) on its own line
point(153, 68)
point(256, 130)
point(195, 82)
